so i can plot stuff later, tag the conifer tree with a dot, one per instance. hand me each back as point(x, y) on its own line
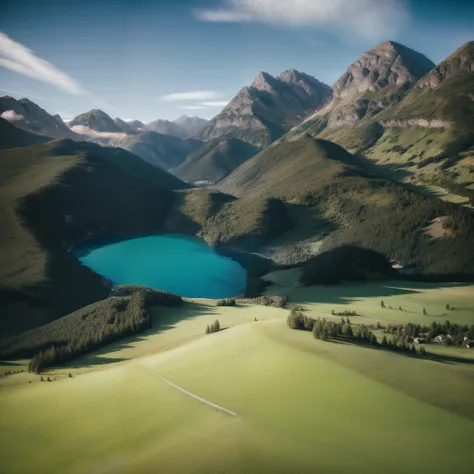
point(317, 329)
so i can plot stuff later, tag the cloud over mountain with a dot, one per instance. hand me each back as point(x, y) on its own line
point(11, 116)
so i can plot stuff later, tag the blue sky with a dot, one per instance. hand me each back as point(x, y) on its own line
point(159, 59)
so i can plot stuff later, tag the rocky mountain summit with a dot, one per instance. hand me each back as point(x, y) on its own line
point(380, 78)
point(388, 64)
point(262, 112)
point(96, 120)
point(462, 60)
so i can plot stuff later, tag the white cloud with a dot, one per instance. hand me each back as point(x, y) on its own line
point(368, 19)
point(11, 116)
point(83, 130)
point(194, 95)
point(20, 59)
point(217, 103)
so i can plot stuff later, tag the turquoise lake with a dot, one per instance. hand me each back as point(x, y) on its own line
point(179, 264)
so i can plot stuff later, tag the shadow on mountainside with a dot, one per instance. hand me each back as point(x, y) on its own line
point(349, 293)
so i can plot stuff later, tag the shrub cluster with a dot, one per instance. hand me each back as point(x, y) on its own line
point(226, 302)
point(276, 301)
point(344, 313)
point(214, 327)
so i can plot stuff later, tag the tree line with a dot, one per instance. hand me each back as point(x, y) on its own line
point(453, 333)
point(345, 330)
point(214, 327)
point(88, 328)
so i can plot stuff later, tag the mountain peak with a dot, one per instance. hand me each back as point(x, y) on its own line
point(264, 81)
point(97, 120)
point(291, 75)
point(461, 61)
point(388, 64)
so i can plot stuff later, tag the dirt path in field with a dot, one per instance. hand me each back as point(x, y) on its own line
point(197, 397)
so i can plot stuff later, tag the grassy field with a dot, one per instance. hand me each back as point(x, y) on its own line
point(365, 299)
point(303, 405)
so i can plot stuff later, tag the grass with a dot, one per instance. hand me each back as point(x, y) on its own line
point(365, 298)
point(303, 405)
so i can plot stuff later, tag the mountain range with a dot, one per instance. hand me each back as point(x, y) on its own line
point(270, 106)
point(292, 167)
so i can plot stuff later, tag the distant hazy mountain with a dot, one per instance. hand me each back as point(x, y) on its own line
point(95, 120)
point(182, 127)
point(124, 126)
point(261, 113)
point(214, 160)
point(31, 117)
point(163, 151)
point(137, 125)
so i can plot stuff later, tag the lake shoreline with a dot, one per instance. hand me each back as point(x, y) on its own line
point(254, 265)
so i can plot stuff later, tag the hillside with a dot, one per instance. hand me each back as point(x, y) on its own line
point(13, 137)
point(263, 368)
point(338, 201)
point(261, 113)
point(55, 194)
point(126, 311)
point(214, 160)
point(221, 219)
point(163, 151)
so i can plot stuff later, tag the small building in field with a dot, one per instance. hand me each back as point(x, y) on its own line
point(469, 343)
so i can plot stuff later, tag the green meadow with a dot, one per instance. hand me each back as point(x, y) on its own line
point(303, 405)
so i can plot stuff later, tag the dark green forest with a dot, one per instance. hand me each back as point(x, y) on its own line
point(124, 313)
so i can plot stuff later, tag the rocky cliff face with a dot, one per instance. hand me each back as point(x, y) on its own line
point(261, 113)
point(462, 60)
point(31, 117)
point(380, 78)
point(96, 120)
point(389, 64)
